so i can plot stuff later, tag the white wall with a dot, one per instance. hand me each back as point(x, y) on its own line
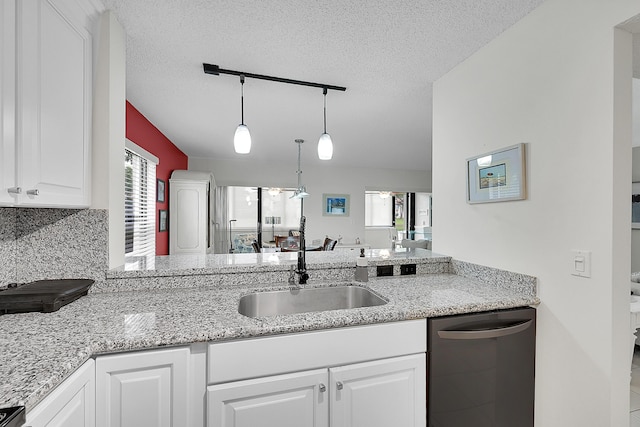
point(550, 81)
point(636, 110)
point(318, 180)
point(107, 172)
point(635, 233)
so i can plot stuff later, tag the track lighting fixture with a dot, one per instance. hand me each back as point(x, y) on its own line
point(242, 139)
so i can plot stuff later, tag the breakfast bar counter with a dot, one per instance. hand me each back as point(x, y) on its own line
point(39, 350)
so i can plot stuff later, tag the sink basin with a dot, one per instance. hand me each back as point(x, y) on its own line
point(273, 303)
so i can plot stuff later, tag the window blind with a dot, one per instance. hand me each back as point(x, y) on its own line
point(139, 205)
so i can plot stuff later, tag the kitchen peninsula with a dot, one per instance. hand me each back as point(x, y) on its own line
point(184, 300)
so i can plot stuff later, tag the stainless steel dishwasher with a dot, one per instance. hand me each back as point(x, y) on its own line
point(481, 369)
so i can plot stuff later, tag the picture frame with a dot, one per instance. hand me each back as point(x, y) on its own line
point(160, 191)
point(335, 205)
point(497, 176)
point(163, 220)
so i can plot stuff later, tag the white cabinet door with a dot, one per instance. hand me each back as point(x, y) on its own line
point(291, 400)
point(71, 404)
point(53, 98)
point(143, 389)
point(382, 393)
point(7, 103)
point(188, 217)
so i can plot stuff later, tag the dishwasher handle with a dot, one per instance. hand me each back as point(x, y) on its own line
point(478, 334)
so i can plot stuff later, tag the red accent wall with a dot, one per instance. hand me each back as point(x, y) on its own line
point(144, 134)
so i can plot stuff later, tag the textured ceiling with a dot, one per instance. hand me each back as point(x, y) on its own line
point(387, 54)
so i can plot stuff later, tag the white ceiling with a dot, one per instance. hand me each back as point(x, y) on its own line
point(387, 54)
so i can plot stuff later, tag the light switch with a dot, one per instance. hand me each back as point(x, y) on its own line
point(581, 263)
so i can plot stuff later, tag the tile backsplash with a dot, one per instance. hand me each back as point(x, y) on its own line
point(52, 244)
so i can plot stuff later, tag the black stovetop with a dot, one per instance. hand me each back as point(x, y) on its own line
point(12, 417)
point(42, 295)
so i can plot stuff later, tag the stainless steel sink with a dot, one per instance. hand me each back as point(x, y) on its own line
point(273, 303)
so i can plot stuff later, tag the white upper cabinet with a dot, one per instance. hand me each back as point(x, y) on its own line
point(7, 101)
point(49, 136)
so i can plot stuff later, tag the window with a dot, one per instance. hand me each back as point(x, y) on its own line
point(279, 206)
point(423, 216)
point(139, 202)
point(408, 213)
point(279, 214)
point(377, 209)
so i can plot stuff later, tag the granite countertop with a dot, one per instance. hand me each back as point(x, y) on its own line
point(39, 350)
point(187, 264)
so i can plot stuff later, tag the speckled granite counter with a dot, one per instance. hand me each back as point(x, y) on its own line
point(177, 265)
point(39, 350)
point(212, 271)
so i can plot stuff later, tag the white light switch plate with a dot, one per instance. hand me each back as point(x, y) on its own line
point(581, 263)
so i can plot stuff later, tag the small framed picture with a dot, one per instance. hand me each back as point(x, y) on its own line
point(335, 204)
point(497, 176)
point(160, 190)
point(635, 205)
point(163, 222)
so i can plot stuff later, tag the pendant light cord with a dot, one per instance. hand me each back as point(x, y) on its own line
point(242, 98)
point(324, 92)
point(299, 142)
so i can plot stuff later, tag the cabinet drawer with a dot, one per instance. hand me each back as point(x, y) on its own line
point(236, 360)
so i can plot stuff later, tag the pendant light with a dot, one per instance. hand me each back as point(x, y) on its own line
point(325, 145)
point(242, 137)
point(301, 191)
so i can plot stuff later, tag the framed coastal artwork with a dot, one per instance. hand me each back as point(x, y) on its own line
point(498, 176)
point(335, 204)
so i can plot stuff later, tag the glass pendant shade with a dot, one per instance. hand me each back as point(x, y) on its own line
point(325, 147)
point(242, 140)
point(300, 193)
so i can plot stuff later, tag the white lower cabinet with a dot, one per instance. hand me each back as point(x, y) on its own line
point(380, 393)
point(291, 400)
point(143, 389)
point(363, 376)
point(71, 404)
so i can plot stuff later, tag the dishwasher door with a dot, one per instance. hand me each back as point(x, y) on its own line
point(481, 369)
